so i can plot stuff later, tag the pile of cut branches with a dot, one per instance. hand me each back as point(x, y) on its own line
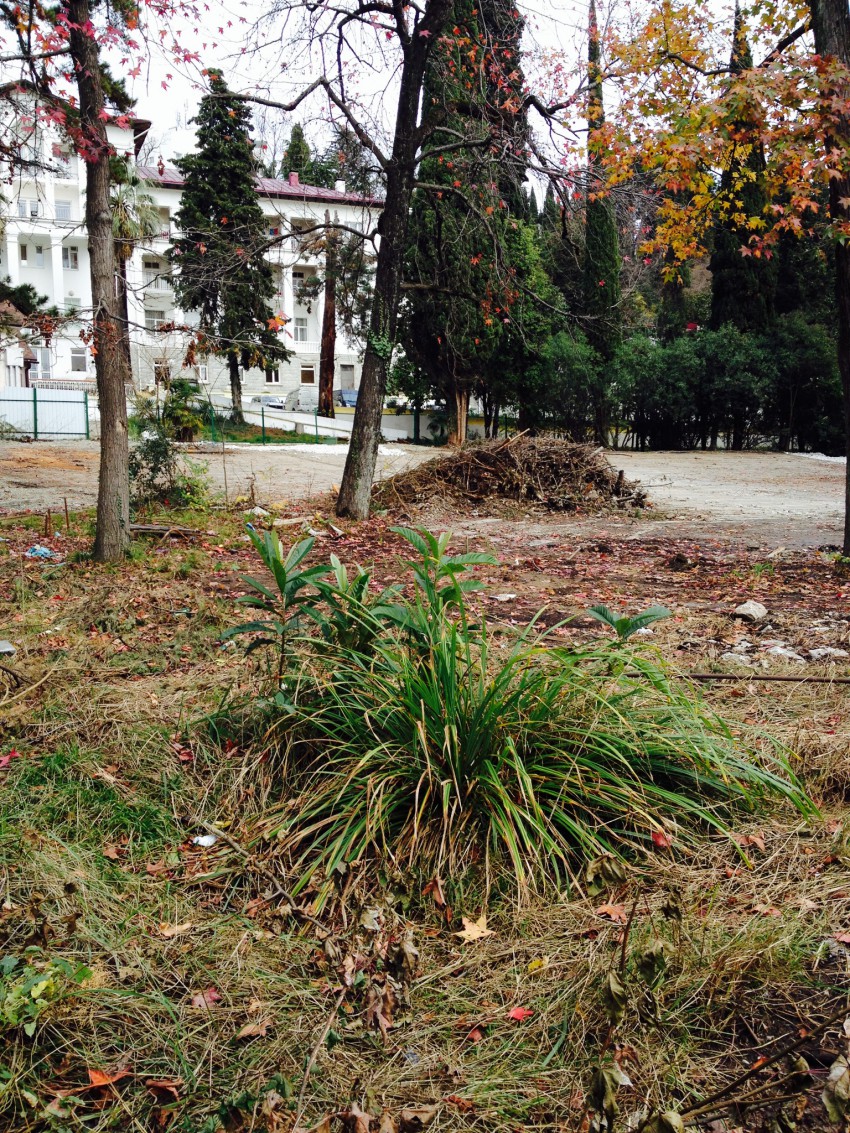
point(542, 471)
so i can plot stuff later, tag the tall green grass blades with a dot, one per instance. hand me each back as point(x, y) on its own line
point(625, 626)
point(439, 758)
point(296, 595)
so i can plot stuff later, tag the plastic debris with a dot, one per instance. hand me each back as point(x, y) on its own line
point(205, 840)
point(7, 648)
point(36, 551)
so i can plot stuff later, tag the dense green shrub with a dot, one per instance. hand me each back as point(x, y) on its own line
point(417, 738)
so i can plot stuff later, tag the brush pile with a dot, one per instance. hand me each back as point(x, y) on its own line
point(538, 471)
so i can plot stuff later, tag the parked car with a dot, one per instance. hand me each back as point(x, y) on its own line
point(266, 400)
point(345, 398)
point(305, 399)
point(275, 403)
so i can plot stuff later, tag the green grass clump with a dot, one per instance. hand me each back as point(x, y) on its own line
point(434, 746)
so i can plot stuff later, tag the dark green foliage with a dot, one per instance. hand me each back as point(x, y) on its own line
point(602, 263)
point(743, 281)
point(221, 270)
point(562, 387)
point(466, 247)
point(297, 157)
point(24, 298)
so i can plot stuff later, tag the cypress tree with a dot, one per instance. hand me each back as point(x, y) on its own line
point(601, 284)
point(743, 286)
point(222, 273)
point(297, 157)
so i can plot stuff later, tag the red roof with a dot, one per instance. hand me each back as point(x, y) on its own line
point(171, 178)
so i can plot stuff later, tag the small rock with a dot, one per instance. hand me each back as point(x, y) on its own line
point(743, 646)
point(751, 611)
point(644, 631)
point(820, 654)
point(737, 658)
point(260, 512)
point(502, 597)
point(788, 654)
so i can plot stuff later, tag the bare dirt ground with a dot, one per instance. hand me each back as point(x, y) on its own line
point(758, 499)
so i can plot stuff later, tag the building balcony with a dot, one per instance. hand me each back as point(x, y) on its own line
point(154, 282)
point(306, 346)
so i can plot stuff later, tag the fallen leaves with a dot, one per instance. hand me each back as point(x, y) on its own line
point(520, 1014)
point(256, 1030)
point(206, 999)
point(474, 930)
point(168, 931)
point(617, 914)
point(661, 839)
point(745, 840)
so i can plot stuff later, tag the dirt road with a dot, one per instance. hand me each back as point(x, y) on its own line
point(756, 498)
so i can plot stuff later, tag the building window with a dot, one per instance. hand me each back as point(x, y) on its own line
point(308, 375)
point(202, 375)
point(154, 319)
point(70, 257)
point(300, 332)
point(63, 210)
point(23, 252)
point(27, 207)
point(45, 362)
point(39, 255)
point(346, 376)
point(72, 305)
point(79, 360)
point(165, 222)
point(272, 377)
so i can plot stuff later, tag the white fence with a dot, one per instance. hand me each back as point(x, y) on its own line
point(46, 414)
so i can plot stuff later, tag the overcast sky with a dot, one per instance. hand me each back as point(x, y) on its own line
point(278, 70)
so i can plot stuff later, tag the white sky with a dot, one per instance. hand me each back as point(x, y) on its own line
point(279, 69)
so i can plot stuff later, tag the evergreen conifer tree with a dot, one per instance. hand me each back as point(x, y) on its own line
point(298, 157)
point(743, 287)
point(221, 270)
point(602, 262)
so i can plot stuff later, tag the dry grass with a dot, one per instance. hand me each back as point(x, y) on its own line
point(98, 866)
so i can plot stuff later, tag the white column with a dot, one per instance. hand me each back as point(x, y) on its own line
point(58, 272)
point(12, 260)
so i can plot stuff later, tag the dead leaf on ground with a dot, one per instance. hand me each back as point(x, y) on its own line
point(158, 1086)
point(520, 1014)
point(474, 930)
point(254, 1030)
point(170, 930)
point(661, 839)
point(388, 1123)
point(206, 999)
point(435, 888)
point(379, 1008)
point(100, 1078)
point(356, 1120)
point(416, 1117)
point(745, 840)
point(615, 913)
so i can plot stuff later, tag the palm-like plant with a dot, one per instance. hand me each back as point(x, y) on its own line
point(135, 220)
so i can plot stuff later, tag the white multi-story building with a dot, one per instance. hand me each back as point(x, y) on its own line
point(44, 243)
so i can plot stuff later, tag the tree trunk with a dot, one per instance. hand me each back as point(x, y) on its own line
point(831, 25)
point(356, 488)
point(235, 389)
point(457, 436)
point(327, 356)
point(112, 537)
